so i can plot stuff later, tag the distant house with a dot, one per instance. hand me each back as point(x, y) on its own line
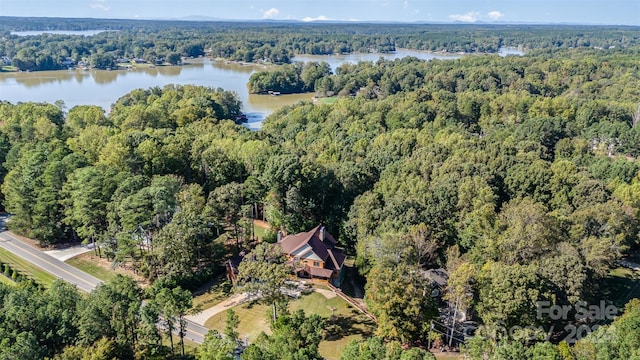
point(314, 255)
point(139, 61)
point(438, 279)
point(68, 61)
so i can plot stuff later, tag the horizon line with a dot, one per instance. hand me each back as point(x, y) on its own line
point(198, 18)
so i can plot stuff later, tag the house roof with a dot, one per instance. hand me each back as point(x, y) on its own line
point(320, 242)
point(318, 272)
point(438, 276)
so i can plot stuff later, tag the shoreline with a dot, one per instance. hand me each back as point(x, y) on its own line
point(201, 59)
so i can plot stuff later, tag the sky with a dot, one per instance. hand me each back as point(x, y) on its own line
point(609, 12)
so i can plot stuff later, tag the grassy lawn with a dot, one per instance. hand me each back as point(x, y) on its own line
point(328, 100)
point(5, 280)
point(342, 322)
point(347, 323)
point(260, 232)
point(27, 268)
point(316, 303)
point(91, 268)
point(253, 320)
point(215, 294)
point(101, 268)
point(189, 346)
point(622, 285)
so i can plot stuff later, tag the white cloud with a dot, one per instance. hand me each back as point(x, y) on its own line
point(99, 6)
point(271, 13)
point(319, 18)
point(470, 17)
point(495, 15)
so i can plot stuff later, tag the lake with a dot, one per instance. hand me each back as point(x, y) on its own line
point(103, 88)
point(336, 60)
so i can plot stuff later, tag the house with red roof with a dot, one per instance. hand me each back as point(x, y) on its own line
point(314, 255)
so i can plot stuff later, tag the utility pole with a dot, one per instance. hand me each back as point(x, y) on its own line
point(453, 323)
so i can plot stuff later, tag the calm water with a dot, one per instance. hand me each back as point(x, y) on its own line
point(103, 88)
point(337, 60)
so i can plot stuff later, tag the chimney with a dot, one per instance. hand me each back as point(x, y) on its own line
point(279, 235)
point(321, 234)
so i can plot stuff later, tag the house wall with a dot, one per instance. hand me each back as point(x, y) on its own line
point(308, 262)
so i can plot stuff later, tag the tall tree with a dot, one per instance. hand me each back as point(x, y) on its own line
point(87, 194)
point(225, 204)
point(231, 326)
point(400, 298)
point(112, 311)
point(294, 337)
point(174, 304)
point(262, 275)
point(216, 347)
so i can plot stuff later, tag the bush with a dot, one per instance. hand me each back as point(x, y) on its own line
point(270, 236)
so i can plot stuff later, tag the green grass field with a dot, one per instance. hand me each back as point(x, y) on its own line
point(345, 325)
point(253, 320)
point(91, 268)
point(343, 322)
point(27, 268)
point(260, 232)
point(622, 285)
point(5, 280)
point(214, 294)
point(190, 348)
point(328, 100)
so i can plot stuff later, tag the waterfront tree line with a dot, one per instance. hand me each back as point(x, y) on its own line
point(275, 42)
point(519, 175)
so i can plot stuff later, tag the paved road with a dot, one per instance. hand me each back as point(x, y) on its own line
point(82, 280)
point(61, 270)
point(195, 332)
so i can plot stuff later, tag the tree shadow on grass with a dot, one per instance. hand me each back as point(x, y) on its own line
point(619, 287)
point(339, 326)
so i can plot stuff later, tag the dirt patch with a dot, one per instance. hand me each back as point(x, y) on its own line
point(36, 244)
point(107, 265)
point(33, 243)
point(440, 355)
point(327, 293)
point(262, 224)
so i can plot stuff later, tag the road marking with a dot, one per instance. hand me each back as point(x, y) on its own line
point(194, 332)
point(42, 257)
point(23, 251)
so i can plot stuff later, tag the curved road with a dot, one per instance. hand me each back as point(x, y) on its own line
point(64, 271)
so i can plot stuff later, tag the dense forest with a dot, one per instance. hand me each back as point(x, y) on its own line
point(275, 42)
point(518, 175)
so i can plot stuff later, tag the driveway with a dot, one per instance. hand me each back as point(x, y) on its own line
point(68, 253)
point(61, 270)
point(64, 271)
